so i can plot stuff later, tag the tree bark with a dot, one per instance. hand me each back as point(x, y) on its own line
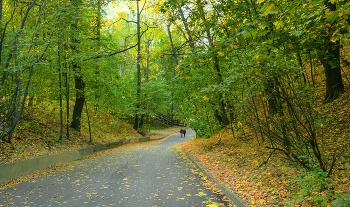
point(138, 66)
point(79, 99)
point(79, 82)
point(330, 59)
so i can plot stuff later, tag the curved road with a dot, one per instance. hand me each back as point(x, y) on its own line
point(150, 174)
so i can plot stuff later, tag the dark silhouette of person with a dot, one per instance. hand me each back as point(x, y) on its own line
point(181, 132)
point(184, 132)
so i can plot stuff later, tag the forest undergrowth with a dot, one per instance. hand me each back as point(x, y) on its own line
point(261, 178)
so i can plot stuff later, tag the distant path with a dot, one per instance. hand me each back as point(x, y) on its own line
point(144, 175)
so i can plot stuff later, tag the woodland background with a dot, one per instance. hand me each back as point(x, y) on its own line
point(266, 78)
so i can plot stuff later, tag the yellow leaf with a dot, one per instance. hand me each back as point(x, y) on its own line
point(268, 9)
point(213, 205)
point(334, 39)
point(221, 54)
point(205, 98)
point(188, 194)
point(278, 24)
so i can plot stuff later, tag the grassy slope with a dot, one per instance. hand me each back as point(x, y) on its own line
point(37, 134)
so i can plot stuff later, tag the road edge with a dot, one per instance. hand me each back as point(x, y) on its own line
point(13, 170)
point(227, 192)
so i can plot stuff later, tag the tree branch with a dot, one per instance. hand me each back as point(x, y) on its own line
point(111, 54)
point(117, 52)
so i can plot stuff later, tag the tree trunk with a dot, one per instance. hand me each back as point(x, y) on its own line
point(138, 66)
point(79, 100)
point(60, 84)
point(148, 59)
point(273, 96)
point(176, 62)
point(79, 82)
point(330, 59)
point(221, 114)
point(66, 76)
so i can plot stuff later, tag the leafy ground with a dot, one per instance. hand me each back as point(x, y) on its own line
point(238, 162)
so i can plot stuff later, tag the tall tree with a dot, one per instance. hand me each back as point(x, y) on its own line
point(138, 68)
point(78, 79)
point(330, 58)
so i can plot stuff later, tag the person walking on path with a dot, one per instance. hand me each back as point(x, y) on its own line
point(181, 131)
point(184, 132)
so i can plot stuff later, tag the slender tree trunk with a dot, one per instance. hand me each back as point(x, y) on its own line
point(176, 62)
point(146, 70)
point(98, 45)
point(311, 69)
point(301, 66)
point(66, 76)
point(138, 66)
point(60, 83)
point(88, 118)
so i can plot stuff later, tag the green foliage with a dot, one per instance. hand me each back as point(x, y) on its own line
point(310, 182)
point(316, 185)
point(341, 200)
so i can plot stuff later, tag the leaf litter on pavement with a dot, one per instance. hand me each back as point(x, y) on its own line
point(81, 179)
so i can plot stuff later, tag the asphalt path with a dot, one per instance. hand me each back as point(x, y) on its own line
point(151, 174)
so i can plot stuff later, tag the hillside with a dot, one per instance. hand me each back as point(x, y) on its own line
point(262, 178)
point(38, 135)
